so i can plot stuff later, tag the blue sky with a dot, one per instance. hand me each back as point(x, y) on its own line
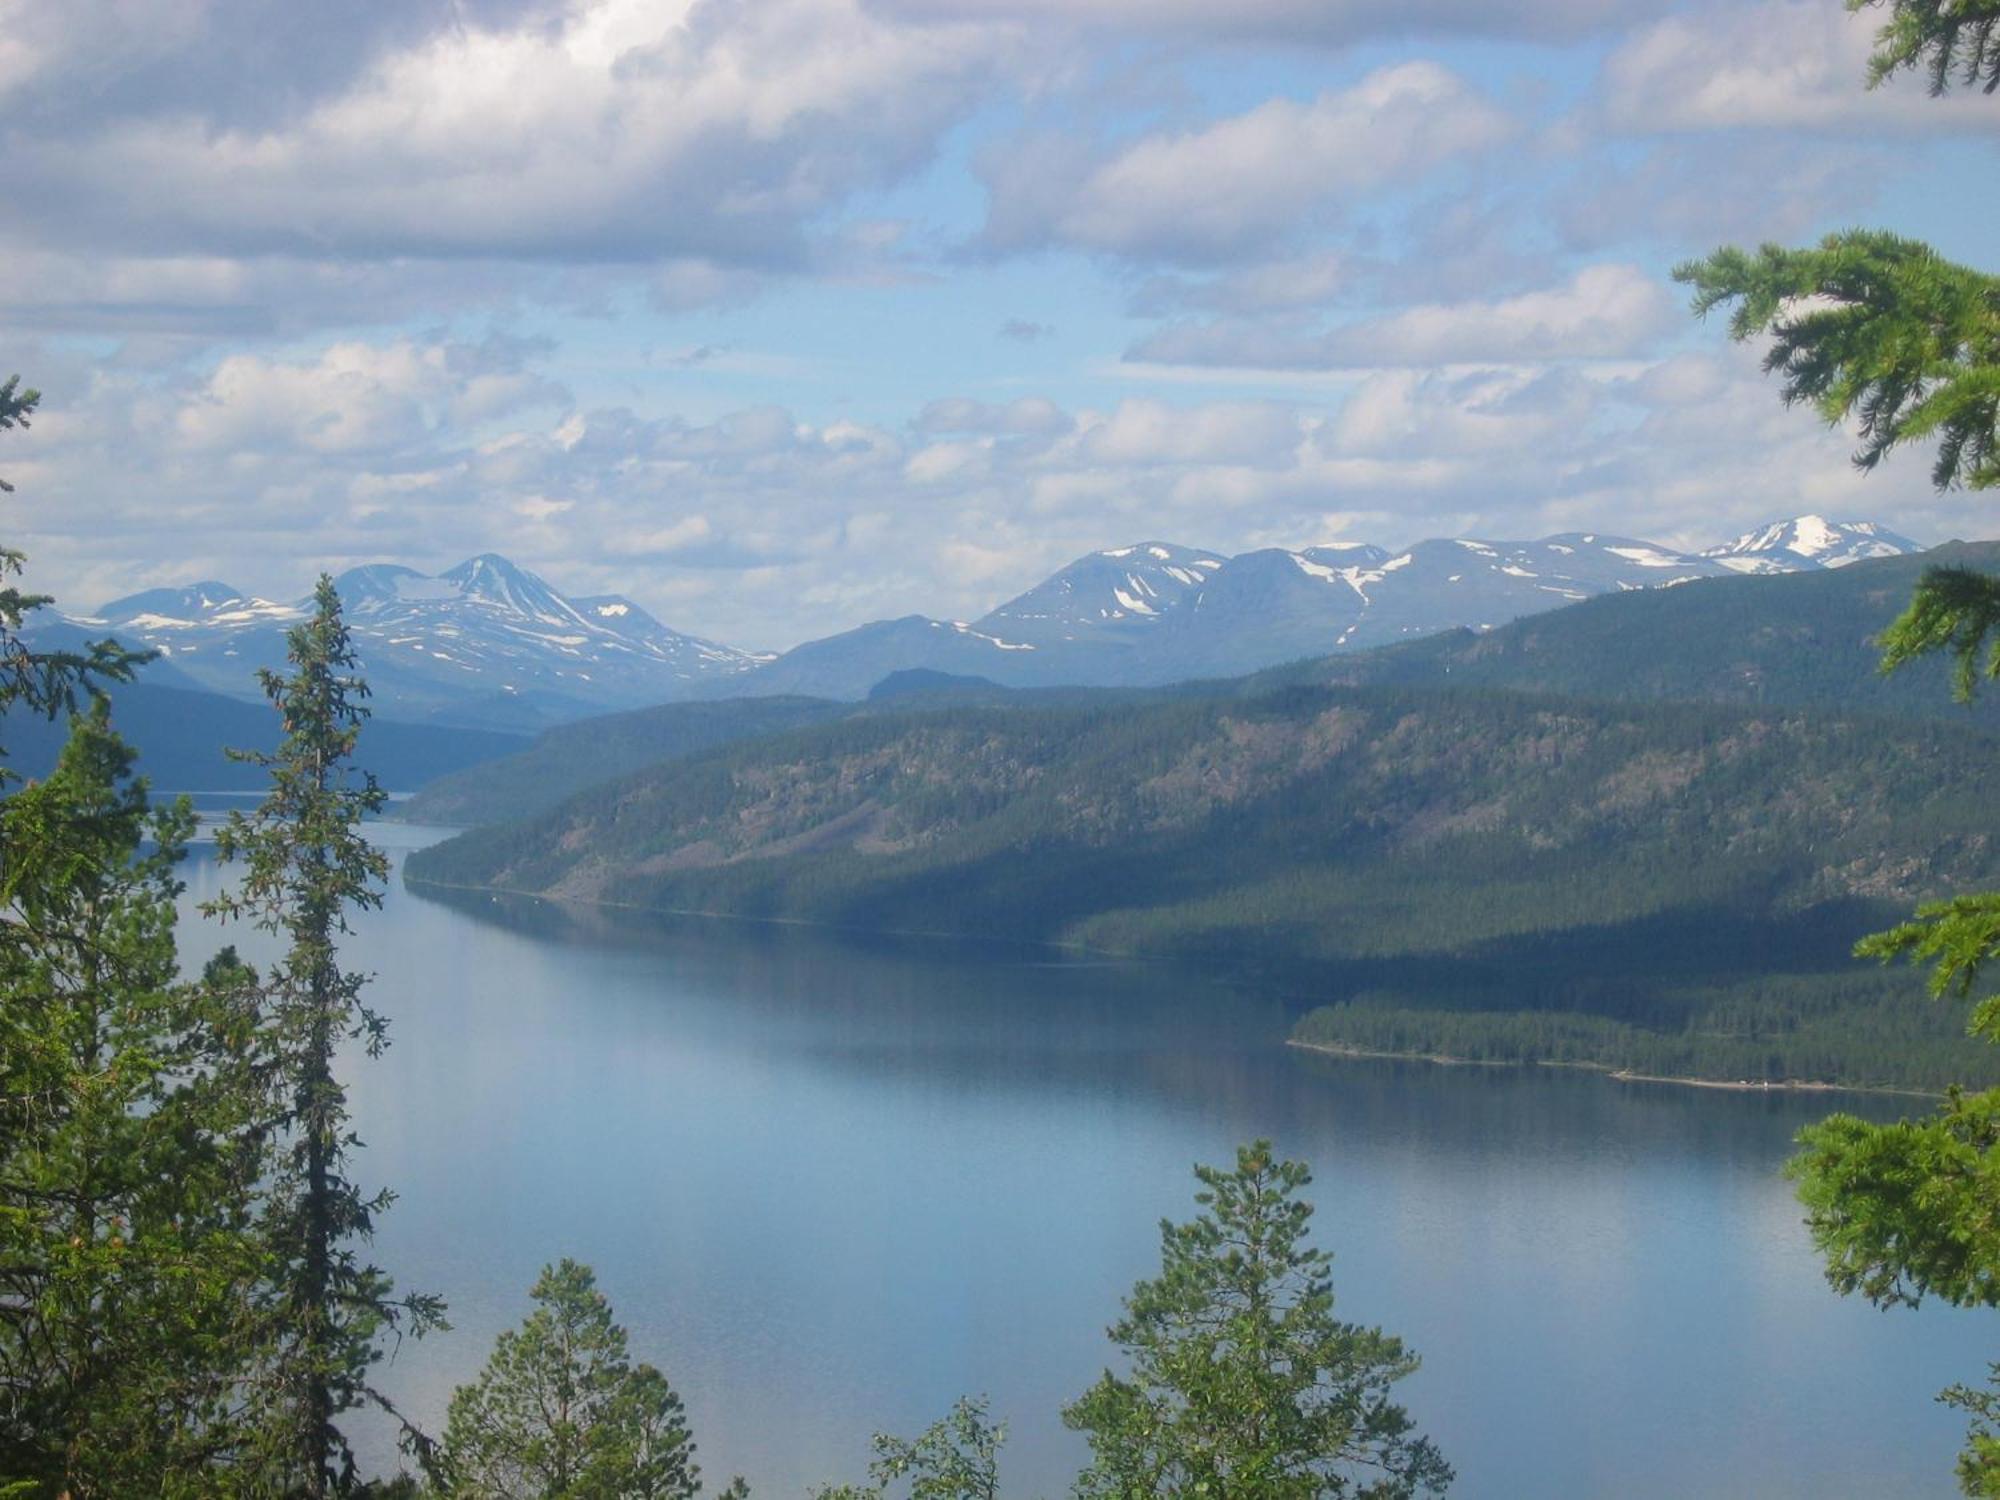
point(780, 315)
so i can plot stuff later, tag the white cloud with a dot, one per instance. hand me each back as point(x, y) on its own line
point(1782, 64)
point(1692, 194)
point(353, 399)
point(1232, 187)
point(1603, 312)
point(1306, 280)
point(684, 132)
point(764, 529)
point(1313, 22)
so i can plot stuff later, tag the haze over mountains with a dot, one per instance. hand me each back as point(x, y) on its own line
point(490, 645)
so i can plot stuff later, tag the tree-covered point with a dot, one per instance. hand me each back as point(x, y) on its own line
point(565, 760)
point(1516, 852)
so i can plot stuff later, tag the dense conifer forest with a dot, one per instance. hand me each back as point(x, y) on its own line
point(1674, 872)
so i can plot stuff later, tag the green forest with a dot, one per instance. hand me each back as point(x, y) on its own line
point(1683, 872)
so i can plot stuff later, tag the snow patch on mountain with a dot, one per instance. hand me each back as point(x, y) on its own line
point(1807, 542)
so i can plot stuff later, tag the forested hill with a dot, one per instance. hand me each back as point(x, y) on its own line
point(1399, 846)
point(1805, 640)
point(563, 761)
point(184, 737)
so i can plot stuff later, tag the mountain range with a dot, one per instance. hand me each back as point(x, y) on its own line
point(1805, 643)
point(490, 645)
point(1639, 833)
point(484, 645)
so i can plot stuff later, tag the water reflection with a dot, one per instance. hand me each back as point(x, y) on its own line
point(833, 1182)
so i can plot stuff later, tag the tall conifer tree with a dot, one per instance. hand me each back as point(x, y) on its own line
point(325, 1309)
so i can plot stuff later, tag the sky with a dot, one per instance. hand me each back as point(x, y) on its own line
point(783, 315)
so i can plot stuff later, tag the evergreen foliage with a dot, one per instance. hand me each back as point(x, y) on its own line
point(561, 1413)
point(1877, 329)
point(1908, 345)
point(45, 683)
point(323, 1310)
point(124, 1186)
point(956, 1458)
point(1947, 39)
point(124, 1223)
point(1242, 1384)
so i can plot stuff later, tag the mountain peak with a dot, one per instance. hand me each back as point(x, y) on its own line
point(492, 579)
point(1807, 542)
point(192, 602)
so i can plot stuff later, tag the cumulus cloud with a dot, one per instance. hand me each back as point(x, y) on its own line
point(1780, 64)
point(1317, 22)
point(1232, 187)
point(298, 224)
point(357, 398)
point(1707, 192)
point(707, 131)
point(1602, 312)
point(763, 528)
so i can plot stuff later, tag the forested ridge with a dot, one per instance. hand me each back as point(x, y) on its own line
point(1657, 865)
point(1799, 640)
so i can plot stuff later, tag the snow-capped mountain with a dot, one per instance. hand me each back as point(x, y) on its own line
point(484, 644)
point(1113, 597)
point(487, 644)
point(1807, 542)
point(1157, 612)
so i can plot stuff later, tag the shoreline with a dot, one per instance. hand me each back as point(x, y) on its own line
point(1618, 1075)
point(1324, 1049)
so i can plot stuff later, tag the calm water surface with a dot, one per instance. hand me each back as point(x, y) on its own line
point(831, 1184)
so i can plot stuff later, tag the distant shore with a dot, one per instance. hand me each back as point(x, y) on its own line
point(1620, 1075)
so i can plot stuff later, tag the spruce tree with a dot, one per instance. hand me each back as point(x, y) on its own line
point(1946, 39)
point(324, 1310)
point(1881, 331)
point(1242, 1385)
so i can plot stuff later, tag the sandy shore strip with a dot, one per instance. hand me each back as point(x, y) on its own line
point(1620, 1075)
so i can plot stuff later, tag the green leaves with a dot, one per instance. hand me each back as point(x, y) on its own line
point(561, 1413)
point(956, 1458)
point(1908, 1210)
point(123, 1220)
point(1878, 330)
point(1942, 37)
point(1242, 1384)
point(1955, 611)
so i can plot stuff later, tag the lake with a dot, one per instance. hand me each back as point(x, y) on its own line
point(832, 1183)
